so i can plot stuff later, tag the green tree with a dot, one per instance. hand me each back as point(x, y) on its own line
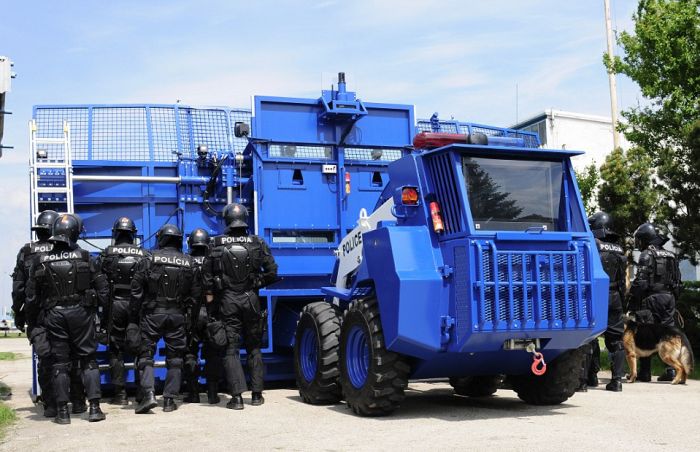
point(663, 57)
point(588, 179)
point(628, 192)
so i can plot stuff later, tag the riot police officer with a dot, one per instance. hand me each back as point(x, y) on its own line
point(614, 262)
point(162, 287)
point(237, 266)
point(118, 262)
point(67, 286)
point(198, 316)
point(25, 258)
point(656, 285)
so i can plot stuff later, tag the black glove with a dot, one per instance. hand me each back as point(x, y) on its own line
point(20, 321)
point(102, 336)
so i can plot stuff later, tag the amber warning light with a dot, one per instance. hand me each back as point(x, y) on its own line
point(409, 196)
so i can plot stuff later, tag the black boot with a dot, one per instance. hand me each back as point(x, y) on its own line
point(79, 406)
point(62, 415)
point(644, 373)
point(193, 395)
point(668, 376)
point(120, 397)
point(617, 367)
point(169, 404)
point(213, 394)
point(257, 399)
point(95, 414)
point(236, 403)
point(50, 409)
point(582, 386)
point(147, 403)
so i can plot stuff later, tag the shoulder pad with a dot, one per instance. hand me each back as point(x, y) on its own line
point(223, 240)
point(124, 250)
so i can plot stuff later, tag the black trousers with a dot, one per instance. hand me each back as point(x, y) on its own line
point(71, 332)
point(170, 325)
point(241, 314)
point(119, 321)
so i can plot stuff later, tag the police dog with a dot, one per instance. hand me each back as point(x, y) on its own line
point(645, 339)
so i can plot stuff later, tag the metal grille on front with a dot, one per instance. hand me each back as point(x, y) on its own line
point(531, 289)
point(442, 173)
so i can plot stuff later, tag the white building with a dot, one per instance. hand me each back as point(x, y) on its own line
point(574, 131)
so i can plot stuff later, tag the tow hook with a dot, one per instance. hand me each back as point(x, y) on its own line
point(539, 367)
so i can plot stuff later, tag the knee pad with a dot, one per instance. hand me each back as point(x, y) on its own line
point(614, 345)
point(89, 364)
point(254, 352)
point(61, 368)
point(143, 363)
point(173, 363)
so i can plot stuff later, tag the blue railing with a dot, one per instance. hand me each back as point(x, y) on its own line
point(530, 139)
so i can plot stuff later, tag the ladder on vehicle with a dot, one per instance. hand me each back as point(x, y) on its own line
point(50, 171)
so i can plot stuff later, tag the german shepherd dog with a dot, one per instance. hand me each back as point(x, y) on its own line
point(645, 339)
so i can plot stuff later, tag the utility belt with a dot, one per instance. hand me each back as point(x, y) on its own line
point(660, 288)
point(122, 291)
point(223, 282)
point(164, 304)
point(87, 299)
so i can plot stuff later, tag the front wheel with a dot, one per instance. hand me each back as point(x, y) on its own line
point(373, 379)
point(556, 385)
point(316, 354)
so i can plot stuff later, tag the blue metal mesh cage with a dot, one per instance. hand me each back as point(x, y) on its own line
point(140, 132)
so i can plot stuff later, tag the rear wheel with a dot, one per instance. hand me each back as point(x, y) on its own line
point(373, 379)
point(556, 385)
point(316, 354)
point(476, 386)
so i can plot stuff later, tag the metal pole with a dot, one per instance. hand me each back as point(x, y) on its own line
point(611, 76)
point(152, 179)
point(229, 195)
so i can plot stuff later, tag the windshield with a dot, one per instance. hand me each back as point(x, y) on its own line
point(513, 195)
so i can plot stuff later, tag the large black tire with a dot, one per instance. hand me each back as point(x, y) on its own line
point(386, 374)
point(476, 386)
point(317, 372)
point(557, 384)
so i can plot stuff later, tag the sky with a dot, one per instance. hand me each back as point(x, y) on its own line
point(462, 59)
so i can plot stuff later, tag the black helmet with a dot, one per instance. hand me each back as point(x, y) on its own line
point(67, 229)
point(44, 224)
point(124, 227)
point(601, 225)
point(198, 238)
point(236, 216)
point(648, 234)
point(45, 220)
point(169, 235)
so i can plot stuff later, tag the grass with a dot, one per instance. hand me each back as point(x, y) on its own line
point(7, 417)
point(7, 414)
point(657, 366)
point(8, 356)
